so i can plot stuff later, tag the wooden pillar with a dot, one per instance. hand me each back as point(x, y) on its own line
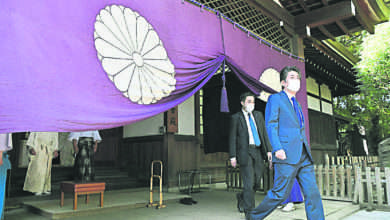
point(181, 150)
point(297, 46)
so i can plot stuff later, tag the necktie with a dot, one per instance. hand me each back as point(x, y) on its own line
point(254, 130)
point(297, 111)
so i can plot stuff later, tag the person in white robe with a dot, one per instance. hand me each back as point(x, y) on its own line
point(42, 146)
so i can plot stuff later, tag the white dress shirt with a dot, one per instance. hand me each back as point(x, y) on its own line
point(251, 139)
point(93, 134)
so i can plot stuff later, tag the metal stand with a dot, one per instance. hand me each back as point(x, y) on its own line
point(189, 178)
point(153, 175)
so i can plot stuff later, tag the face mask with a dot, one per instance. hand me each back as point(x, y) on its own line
point(250, 107)
point(294, 85)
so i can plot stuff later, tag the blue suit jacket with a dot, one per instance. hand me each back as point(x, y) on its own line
point(283, 129)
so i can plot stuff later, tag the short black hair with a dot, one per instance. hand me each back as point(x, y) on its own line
point(246, 94)
point(284, 72)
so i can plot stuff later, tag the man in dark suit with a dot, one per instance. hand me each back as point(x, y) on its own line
point(249, 146)
point(286, 129)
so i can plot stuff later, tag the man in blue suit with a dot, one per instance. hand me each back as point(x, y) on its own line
point(292, 157)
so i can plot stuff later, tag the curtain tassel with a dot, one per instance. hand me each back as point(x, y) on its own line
point(224, 97)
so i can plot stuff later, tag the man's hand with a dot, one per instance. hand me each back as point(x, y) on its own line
point(233, 162)
point(1, 158)
point(280, 154)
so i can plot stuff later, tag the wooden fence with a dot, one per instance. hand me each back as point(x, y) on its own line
point(372, 190)
point(369, 187)
point(335, 182)
point(234, 179)
point(362, 161)
point(343, 182)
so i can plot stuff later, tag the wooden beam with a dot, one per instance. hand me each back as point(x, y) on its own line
point(273, 10)
point(327, 14)
point(286, 30)
point(326, 32)
point(365, 22)
point(302, 4)
point(337, 51)
point(303, 30)
point(364, 19)
point(342, 27)
point(376, 10)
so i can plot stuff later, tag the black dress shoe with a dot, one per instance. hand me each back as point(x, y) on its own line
point(239, 203)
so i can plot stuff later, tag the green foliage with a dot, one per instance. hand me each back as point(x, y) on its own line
point(371, 107)
point(374, 76)
point(353, 42)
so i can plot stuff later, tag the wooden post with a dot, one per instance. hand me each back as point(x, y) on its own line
point(358, 196)
point(62, 199)
point(327, 181)
point(378, 180)
point(355, 161)
point(326, 160)
point(350, 160)
point(334, 175)
point(365, 162)
point(349, 182)
point(320, 179)
point(75, 201)
point(342, 181)
point(332, 157)
point(369, 189)
point(387, 175)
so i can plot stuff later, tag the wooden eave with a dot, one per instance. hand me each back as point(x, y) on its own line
point(326, 19)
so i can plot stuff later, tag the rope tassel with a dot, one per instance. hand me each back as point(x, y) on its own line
point(224, 98)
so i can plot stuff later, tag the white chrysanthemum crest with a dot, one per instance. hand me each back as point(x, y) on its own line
point(132, 55)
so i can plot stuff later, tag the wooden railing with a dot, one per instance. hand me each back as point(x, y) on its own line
point(234, 179)
point(373, 188)
point(355, 181)
point(362, 161)
point(369, 187)
point(335, 182)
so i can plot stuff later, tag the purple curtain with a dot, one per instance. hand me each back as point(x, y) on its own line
point(54, 76)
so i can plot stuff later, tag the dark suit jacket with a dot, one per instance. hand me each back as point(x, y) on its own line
point(239, 137)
